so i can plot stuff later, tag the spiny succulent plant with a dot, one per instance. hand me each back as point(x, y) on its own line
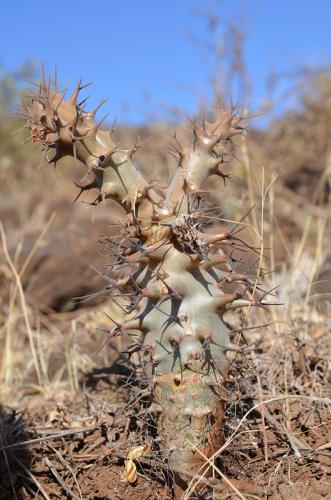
point(171, 272)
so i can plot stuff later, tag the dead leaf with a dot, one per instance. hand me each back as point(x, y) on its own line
point(130, 473)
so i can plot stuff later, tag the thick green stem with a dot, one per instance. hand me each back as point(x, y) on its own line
point(168, 268)
point(191, 417)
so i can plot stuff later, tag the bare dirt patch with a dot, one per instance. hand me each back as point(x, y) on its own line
point(76, 447)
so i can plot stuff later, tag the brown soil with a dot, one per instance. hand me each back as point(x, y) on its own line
point(76, 447)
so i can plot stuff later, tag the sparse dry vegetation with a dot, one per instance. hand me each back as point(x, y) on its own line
point(71, 412)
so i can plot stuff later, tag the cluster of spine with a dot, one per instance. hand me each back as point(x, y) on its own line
point(170, 273)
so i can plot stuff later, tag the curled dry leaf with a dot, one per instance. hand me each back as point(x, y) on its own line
point(137, 452)
point(130, 473)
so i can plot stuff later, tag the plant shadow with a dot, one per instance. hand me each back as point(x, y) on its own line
point(15, 459)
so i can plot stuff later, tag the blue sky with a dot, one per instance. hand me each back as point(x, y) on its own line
point(139, 52)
